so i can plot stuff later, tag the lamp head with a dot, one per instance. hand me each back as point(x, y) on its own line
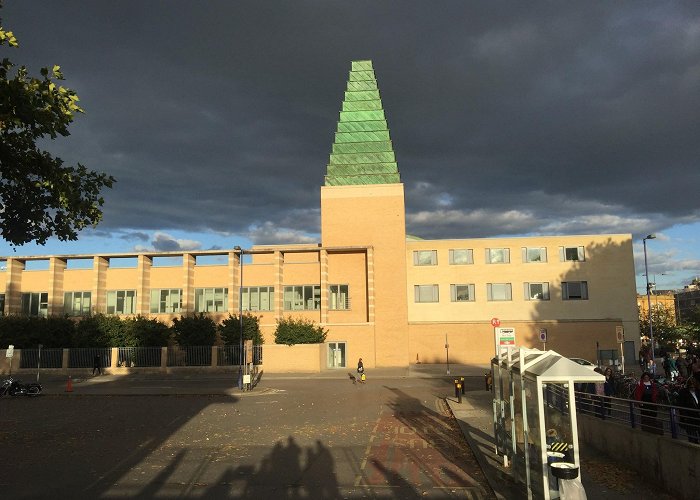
point(650, 237)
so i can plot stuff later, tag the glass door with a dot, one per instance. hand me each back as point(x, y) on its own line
point(336, 354)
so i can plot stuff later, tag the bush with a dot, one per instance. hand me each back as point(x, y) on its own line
point(197, 330)
point(292, 331)
point(143, 332)
point(27, 333)
point(99, 331)
point(230, 330)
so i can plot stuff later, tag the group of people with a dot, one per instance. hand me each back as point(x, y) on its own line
point(688, 402)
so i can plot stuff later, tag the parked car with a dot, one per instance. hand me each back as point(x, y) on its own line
point(584, 362)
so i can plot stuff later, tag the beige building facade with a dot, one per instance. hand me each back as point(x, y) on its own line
point(384, 296)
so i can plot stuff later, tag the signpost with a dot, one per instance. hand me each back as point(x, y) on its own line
point(447, 350)
point(504, 337)
point(543, 338)
point(620, 333)
point(9, 354)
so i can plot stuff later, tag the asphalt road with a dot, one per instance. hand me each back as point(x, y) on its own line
point(390, 438)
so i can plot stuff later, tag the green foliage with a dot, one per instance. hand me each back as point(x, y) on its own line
point(99, 331)
point(27, 333)
point(666, 332)
point(292, 331)
point(197, 330)
point(230, 329)
point(41, 197)
point(144, 332)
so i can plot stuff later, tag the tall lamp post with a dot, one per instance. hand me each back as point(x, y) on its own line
point(240, 317)
point(651, 326)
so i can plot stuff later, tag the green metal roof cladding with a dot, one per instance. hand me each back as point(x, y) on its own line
point(362, 152)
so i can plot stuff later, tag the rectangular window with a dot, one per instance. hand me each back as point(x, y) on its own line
point(258, 298)
point(338, 297)
point(536, 291)
point(498, 291)
point(497, 255)
point(574, 290)
point(426, 293)
point(537, 254)
point(571, 254)
point(121, 302)
point(77, 303)
point(425, 258)
point(462, 293)
point(35, 304)
point(210, 300)
point(166, 300)
point(302, 298)
point(461, 256)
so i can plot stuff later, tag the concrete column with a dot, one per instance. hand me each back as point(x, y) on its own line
point(370, 285)
point(279, 284)
point(143, 291)
point(323, 267)
point(164, 358)
point(99, 284)
point(13, 286)
point(114, 362)
point(65, 360)
point(214, 357)
point(57, 268)
point(188, 261)
point(234, 274)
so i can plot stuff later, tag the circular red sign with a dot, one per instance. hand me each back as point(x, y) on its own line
point(495, 322)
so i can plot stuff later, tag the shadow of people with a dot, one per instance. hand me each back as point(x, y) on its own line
point(319, 478)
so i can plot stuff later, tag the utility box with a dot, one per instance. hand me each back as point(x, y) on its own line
point(535, 418)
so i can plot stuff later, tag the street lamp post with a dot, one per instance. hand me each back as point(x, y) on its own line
point(651, 326)
point(240, 317)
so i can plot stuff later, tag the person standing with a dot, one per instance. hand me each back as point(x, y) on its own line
point(689, 401)
point(647, 393)
point(608, 390)
point(97, 365)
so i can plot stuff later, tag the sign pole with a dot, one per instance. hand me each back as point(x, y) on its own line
point(620, 331)
point(447, 349)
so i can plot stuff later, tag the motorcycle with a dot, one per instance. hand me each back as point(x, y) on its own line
point(13, 387)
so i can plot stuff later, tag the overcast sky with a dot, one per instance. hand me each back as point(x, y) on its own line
point(507, 118)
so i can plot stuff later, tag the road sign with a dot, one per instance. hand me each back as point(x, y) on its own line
point(495, 322)
point(620, 331)
point(543, 335)
point(10, 351)
point(505, 336)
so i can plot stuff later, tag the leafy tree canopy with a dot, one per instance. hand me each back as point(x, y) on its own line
point(39, 196)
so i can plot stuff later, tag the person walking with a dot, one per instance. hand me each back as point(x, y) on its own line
point(647, 393)
point(97, 365)
point(689, 402)
point(361, 371)
point(609, 391)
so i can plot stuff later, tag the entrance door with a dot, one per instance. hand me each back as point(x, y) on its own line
point(336, 354)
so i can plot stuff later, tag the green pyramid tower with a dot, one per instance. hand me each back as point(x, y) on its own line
point(362, 151)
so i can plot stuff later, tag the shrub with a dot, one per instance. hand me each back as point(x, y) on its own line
point(143, 332)
point(292, 331)
point(230, 330)
point(27, 333)
point(197, 330)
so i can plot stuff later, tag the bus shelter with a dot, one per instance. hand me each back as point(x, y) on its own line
point(535, 418)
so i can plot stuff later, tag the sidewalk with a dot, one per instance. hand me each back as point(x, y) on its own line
point(602, 477)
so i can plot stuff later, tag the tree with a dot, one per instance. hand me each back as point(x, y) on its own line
point(230, 329)
point(39, 196)
point(666, 332)
point(197, 330)
point(292, 331)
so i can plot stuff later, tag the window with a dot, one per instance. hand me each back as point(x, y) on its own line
point(210, 300)
point(498, 291)
point(426, 293)
point(537, 254)
point(121, 302)
point(302, 297)
point(339, 297)
point(574, 290)
point(425, 258)
point(258, 298)
point(77, 303)
point(462, 293)
point(35, 304)
point(166, 300)
point(571, 254)
point(536, 291)
point(461, 256)
point(497, 255)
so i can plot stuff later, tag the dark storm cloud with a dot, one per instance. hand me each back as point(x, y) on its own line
point(506, 117)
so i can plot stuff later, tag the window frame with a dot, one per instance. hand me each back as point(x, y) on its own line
point(454, 292)
point(580, 253)
point(566, 293)
point(418, 258)
point(505, 253)
point(69, 303)
point(542, 254)
point(205, 299)
point(41, 299)
point(163, 297)
point(508, 292)
point(527, 291)
point(248, 292)
point(305, 295)
point(469, 256)
point(434, 294)
point(339, 300)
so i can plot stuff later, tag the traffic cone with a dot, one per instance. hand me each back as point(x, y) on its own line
point(69, 385)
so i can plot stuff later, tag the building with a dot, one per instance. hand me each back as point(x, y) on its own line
point(659, 299)
point(383, 296)
point(687, 301)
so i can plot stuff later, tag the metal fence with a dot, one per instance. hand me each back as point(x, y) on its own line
point(141, 357)
point(230, 355)
point(655, 418)
point(50, 358)
point(85, 357)
point(189, 356)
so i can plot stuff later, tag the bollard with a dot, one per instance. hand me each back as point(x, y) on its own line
point(459, 392)
point(461, 382)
